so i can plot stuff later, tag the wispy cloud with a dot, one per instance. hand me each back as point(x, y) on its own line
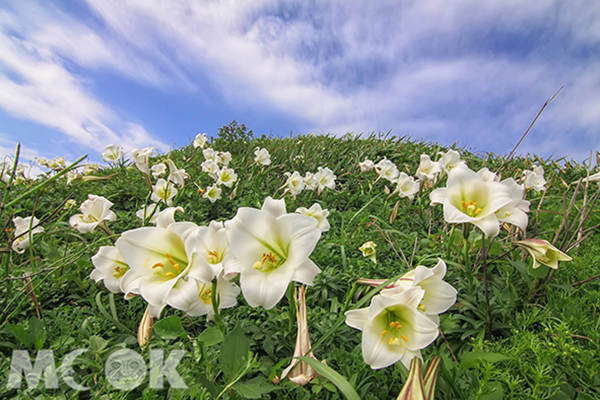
point(468, 71)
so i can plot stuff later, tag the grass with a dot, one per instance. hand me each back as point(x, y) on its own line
point(543, 343)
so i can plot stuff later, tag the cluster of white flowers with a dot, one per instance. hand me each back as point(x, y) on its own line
point(403, 319)
point(216, 165)
point(21, 171)
point(322, 179)
point(179, 263)
point(427, 172)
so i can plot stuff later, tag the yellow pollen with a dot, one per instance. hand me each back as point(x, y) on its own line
point(477, 211)
point(170, 274)
point(384, 332)
point(146, 263)
point(158, 265)
point(391, 342)
point(170, 259)
point(404, 337)
point(176, 267)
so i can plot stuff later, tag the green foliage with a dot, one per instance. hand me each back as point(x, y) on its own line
point(543, 342)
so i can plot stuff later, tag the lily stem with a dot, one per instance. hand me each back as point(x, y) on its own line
point(485, 283)
point(214, 296)
point(466, 246)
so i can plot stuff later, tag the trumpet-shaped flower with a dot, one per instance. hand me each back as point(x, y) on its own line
point(200, 141)
point(366, 165)
point(210, 154)
point(543, 252)
point(428, 170)
point(225, 158)
point(141, 157)
point(514, 212)
point(294, 183)
point(406, 186)
point(195, 297)
point(450, 159)
point(318, 213)
point(176, 175)
point(325, 179)
point(535, 179)
point(163, 191)
point(438, 297)
point(94, 210)
point(262, 156)
point(159, 218)
point(369, 250)
point(270, 248)
point(469, 198)
point(109, 267)
point(213, 193)
point(226, 176)
point(387, 169)
point(310, 181)
point(393, 329)
point(211, 167)
point(159, 258)
point(90, 168)
point(23, 226)
point(58, 164)
point(112, 153)
point(158, 170)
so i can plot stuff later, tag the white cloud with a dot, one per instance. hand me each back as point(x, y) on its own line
point(471, 71)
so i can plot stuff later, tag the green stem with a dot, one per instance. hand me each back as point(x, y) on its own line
point(466, 247)
point(214, 295)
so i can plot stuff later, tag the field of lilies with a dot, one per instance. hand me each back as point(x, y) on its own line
point(308, 267)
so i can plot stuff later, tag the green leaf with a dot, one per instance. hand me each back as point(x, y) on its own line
point(338, 380)
point(211, 336)
point(496, 393)
point(471, 359)
point(255, 388)
point(170, 328)
point(234, 352)
point(19, 332)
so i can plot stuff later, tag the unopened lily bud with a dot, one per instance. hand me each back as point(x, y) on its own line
point(145, 329)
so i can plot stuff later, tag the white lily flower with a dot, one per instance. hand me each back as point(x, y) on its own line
point(535, 179)
point(428, 170)
point(593, 178)
point(262, 156)
point(487, 175)
point(213, 193)
point(93, 211)
point(159, 258)
point(387, 169)
point(200, 141)
point(151, 211)
point(210, 154)
point(22, 228)
point(270, 248)
point(90, 168)
point(158, 170)
point(369, 250)
point(195, 297)
point(225, 158)
point(366, 165)
point(58, 164)
point(159, 218)
point(294, 183)
point(317, 213)
point(176, 176)
point(468, 198)
point(310, 181)
point(141, 157)
point(42, 161)
point(112, 153)
point(439, 296)
point(406, 186)
point(393, 329)
point(514, 212)
point(325, 179)
point(211, 167)
point(450, 159)
point(226, 176)
point(543, 252)
point(109, 267)
point(73, 176)
point(163, 191)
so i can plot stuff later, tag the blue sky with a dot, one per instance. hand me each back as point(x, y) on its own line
point(76, 76)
